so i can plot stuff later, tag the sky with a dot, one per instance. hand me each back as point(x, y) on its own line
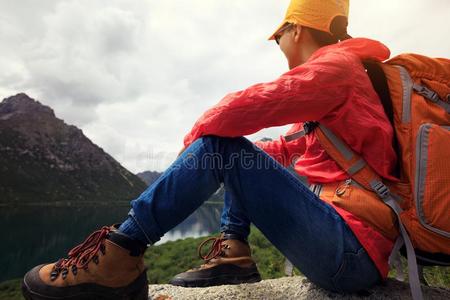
point(135, 75)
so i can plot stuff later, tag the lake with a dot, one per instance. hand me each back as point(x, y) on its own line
point(35, 235)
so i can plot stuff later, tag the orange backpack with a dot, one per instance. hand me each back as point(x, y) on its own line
point(419, 89)
point(415, 92)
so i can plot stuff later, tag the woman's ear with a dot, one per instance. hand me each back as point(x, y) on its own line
point(297, 32)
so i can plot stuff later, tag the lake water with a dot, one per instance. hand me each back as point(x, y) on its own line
point(35, 235)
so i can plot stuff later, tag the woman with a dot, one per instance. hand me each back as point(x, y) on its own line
point(334, 247)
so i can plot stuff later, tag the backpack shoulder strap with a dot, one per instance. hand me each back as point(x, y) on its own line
point(379, 82)
point(363, 174)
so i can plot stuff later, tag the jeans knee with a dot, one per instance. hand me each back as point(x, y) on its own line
point(210, 139)
point(216, 140)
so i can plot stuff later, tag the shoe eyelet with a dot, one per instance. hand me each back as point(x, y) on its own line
point(64, 273)
point(54, 275)
point(74, 270)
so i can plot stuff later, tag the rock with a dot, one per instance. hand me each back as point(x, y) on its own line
point(297, 287)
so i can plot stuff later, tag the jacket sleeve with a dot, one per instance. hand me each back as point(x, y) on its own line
point(282, 151)
point(276, 149)
point(307, 92)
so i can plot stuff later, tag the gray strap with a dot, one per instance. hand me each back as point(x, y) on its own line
point(395, 260)
point(294, 136)
point(413, 273)
point(354, 183)
point(432, 96)
point(383, 192)
point(289, 138)
point(407, 84)
point(396, 249)
point(426, 92)
point(357, 166)
point(444, 105)
point(337, 142)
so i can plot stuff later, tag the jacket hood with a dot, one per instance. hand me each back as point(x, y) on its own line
point(365, 49)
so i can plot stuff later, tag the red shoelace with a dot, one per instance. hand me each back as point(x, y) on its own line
point(216, 249)
point(81, 255)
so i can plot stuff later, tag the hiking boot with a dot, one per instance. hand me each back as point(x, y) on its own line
point(107, 265)
point(228, 262)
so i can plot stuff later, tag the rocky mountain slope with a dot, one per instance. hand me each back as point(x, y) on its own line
point(149, 176)
point(43, 159)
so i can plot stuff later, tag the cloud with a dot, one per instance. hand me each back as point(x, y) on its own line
point(135, 75)
point(404, 25)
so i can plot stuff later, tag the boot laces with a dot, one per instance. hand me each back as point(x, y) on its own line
point(216, 249)
point(81, 255)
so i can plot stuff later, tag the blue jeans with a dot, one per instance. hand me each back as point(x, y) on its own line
point(305, 229)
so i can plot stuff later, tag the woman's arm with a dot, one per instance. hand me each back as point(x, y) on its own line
point(307, 92)
point(282, 151)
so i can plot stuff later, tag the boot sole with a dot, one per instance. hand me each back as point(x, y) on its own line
point(236, 275)
point(137, 290)
point(140, 295)
point(218, 280)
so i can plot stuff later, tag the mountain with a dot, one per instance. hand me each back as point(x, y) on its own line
point(149, 176)
point(219, 195)
point(43, 159)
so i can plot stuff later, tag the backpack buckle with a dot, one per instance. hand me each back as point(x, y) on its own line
point(427, 93)
point(381, 189)
point(309, 126)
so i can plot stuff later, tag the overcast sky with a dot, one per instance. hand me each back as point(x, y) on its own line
point(135, 75)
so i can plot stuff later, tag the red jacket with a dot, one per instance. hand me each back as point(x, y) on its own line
point(332, 88)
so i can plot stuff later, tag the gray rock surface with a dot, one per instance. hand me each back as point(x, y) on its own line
point(296, 287)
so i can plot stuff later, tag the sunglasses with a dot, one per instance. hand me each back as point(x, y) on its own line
point(280, 32)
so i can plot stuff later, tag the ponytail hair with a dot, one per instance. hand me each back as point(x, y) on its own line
point(338, 30)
